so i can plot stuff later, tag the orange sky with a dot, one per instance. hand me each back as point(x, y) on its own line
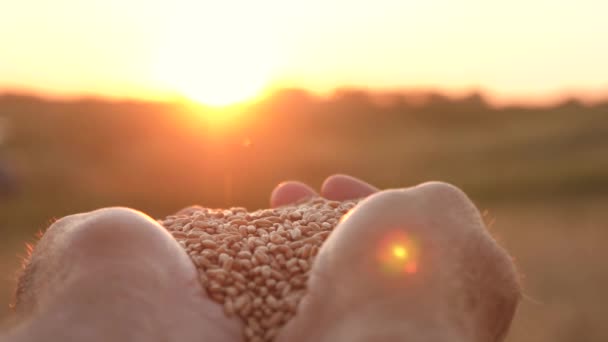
point(224, 51)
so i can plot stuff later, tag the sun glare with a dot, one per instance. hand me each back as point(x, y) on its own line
point(397, 254)
point(214, 63)
point(400, 252)
point(217, 78)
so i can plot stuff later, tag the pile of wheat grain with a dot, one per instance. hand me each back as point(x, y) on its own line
point(257, 264)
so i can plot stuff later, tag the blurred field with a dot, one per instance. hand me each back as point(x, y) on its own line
point(540, 174)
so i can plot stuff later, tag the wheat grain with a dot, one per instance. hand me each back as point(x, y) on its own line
point(256, 264)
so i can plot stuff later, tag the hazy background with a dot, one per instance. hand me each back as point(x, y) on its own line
point(160, 106)
point(538, 174)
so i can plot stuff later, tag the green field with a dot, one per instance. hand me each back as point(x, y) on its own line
point(539, 174)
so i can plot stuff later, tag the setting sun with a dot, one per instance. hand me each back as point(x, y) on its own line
point(214, 75)
point(215, 63)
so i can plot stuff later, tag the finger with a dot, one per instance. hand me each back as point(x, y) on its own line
point(290, 192)
point(343, 187)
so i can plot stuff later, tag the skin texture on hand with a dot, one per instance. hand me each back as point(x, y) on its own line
point(463, 287)
point(115, 274)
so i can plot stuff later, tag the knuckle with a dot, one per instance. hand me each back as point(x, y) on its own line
point(105, 232)
point(113, 226)
point(442, 193)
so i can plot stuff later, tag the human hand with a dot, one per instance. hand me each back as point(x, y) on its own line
point(114, 274)
point(85, 262)
point(413, 264)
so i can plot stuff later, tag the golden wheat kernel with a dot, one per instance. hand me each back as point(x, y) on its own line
point(254, 324)
point(315, 217)
point(270, 283)
point(262, 223)
point(257, 302)
point(323, 235)
point(289, 253)
point(262, 249)
point(209, 244)
point(209, 254)
point(276, 274)
point(217, 296)
point(231, 291)
point(305, 251)
point(285, 290)
point(261, 232)
point(259, 242)
point(199, 261)
point(262, 257)
point(298, 280)
point(280, 258)
point(218, 274)
point(178, 234)
point(272, 248)
point(303, 265)
point(238, 222)
point(266, 271)
point(247, 309)
point(236, 247)
point(228, 264)
point(241, 286)
point(249, 333)
point(223, 257)
point(274, 217)
point(291, 262)
point(295, 233)
point(283, 249)
point(313, 226)
point(241, 301)
point(271, 300)
point(233, 238)
point(276, 238)
point(258, 313)
point(245, 264)
point(255, 262)
point(275, 318)
point(244, 255)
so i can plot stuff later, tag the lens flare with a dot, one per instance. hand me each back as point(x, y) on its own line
point(397, 254)
point(400, 252)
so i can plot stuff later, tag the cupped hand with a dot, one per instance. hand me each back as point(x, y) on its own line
point(114, 275)
point(413, 264)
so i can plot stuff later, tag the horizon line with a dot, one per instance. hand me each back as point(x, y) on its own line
point(488, 97)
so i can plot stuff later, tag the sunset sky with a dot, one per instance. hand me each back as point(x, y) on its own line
point(219, 52)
